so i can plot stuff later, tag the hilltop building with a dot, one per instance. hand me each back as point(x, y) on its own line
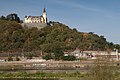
point(36, 21)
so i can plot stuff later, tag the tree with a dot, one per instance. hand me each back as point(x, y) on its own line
point(69, 58)
point(47, 57)
point(30, 55)
point(13, 37)
point(2, 18)
point(58, 53)
point(74, 29)
point(117, 46)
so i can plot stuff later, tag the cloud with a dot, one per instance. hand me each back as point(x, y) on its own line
point(76, 5)
point(73, 4)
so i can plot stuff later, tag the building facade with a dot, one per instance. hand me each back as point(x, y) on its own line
point(36, 21)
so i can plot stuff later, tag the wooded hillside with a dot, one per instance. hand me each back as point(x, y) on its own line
point(14, 38)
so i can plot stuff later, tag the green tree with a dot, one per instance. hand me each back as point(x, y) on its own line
point(58, 54)
point(48, 57)
point(2, 18)
point(13, 37)
point(30, 55)
point(69, 58)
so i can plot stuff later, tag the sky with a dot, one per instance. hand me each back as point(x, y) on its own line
point(99, 16)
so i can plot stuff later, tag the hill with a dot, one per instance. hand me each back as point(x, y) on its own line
point(15, 38)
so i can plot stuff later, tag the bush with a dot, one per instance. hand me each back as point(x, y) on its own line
point(69, 58)
point(47, 57)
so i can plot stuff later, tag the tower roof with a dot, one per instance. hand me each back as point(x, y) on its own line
point(44, 10)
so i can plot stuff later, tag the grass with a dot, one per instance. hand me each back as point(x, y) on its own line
point(43, 75)
point(97, 73)
point(102, 70)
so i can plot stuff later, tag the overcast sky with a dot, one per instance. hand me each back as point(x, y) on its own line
point(99, 16)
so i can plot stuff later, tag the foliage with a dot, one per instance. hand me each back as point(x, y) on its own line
point(47, 57)
point(48, 76)
point(82, 59)
point(58, 54)
point(8, 41)
point(2, 18)
point(103, 69)
point(29, 55)
point(51, 39)
point(69, 58)
point(43, 75)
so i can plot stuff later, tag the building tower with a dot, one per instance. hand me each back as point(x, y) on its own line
point(44, 16)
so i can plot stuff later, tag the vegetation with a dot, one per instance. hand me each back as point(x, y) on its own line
point(41, 76)
point(29, 55)
point(53, 40)
point(69, 58)
point(104, 68)
point(29, 78)
point(54, 76)
point(47, 57)
point(59, 55)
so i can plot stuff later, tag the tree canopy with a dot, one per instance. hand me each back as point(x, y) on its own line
point(13, 37)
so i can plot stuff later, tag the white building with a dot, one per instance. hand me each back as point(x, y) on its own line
point(36, 21)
